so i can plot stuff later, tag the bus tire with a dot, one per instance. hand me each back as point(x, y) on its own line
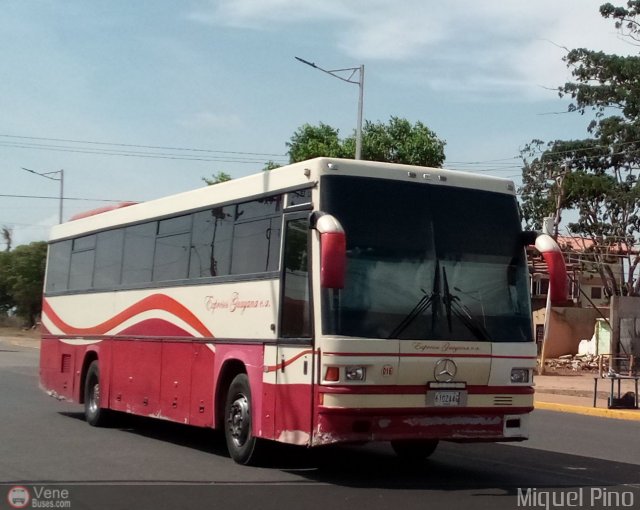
point(95, 415)
point(414, 449)
point(238, 433)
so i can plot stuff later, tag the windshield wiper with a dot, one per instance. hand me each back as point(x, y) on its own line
point(421, 306)
point(455, 305)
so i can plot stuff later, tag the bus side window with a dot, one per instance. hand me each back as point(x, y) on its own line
point(171, 254)
point(256, 246)
point(296, 321)
point(211, 242)
point(83, 253)
point(58, 266)
point(137, 263)
point(108, 263)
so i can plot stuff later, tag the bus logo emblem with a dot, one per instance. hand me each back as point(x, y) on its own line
point(445, 370)
point(18, 497)
point(387, 370)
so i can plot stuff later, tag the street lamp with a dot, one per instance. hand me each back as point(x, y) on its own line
point(349, 79)
point(47, 175)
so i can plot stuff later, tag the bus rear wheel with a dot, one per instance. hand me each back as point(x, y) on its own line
point(241, 442)
point(93, 413)
point(414, 449)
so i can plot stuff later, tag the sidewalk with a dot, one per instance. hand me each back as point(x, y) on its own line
point(574, 394)
point(23, 338)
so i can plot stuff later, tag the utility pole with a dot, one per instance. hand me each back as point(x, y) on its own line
point(48, 175)
point(349, 79)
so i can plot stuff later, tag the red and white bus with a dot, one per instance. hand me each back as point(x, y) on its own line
point(328, 301)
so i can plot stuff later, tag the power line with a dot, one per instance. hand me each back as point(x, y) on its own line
point(504, 164)
point(22, 226)
point(140, 146)
point(58, 198)
point(107, 152)
point(550, 152)
point(485, 161)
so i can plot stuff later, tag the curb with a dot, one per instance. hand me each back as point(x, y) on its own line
point(618, 414)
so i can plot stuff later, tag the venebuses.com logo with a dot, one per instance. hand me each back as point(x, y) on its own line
point(38, 497)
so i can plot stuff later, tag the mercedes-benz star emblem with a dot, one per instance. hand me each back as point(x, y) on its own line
point(445, 370)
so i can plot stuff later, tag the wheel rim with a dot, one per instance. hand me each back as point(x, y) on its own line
point(94, 397)
point(238, 421)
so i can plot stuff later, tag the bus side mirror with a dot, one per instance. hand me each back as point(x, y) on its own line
point(333, 250)
point(558, 278)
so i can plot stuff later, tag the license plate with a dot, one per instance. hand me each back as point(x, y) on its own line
point(447, 398)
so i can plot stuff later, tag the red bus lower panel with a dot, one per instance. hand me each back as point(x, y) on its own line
point(472, 424)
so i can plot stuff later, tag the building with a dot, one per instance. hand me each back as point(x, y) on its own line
point(575, 321)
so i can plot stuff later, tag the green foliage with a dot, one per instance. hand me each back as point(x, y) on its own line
point(401, 142)
point(22, 279)
point(398, 141)
point(6, 301)
point(217, 178)
point(315, 141)
point(270, 165)
point(596, 176)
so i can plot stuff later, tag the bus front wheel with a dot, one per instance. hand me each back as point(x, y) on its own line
point(414, 449)
point(241, 442)
point(93, 413)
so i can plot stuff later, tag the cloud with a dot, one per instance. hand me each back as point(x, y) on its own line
point(514, 47)
point(262, 14)
point(38, 231)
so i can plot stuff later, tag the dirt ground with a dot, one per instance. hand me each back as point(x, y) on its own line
point(19, 333)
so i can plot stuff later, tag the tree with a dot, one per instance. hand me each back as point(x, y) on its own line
point(217, 178)
point(401, 142)
point(6, 300)
point(596, 176)
point(22, 279)
point(398, 141)
point(270, 165)
point(315, 141)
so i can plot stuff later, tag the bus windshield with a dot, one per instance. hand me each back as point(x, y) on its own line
point(427, 262)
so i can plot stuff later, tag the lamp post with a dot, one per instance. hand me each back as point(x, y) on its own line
point(349, 79)
point(48, 175)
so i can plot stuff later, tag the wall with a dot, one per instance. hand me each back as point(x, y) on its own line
point(625, 324)
point(568, 326)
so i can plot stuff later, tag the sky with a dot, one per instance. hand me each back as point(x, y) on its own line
point(139, 100)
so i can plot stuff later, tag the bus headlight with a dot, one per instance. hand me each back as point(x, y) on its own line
point(355, 373)
point(520, 375)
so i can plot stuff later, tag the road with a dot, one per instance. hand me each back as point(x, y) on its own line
point(143, 463)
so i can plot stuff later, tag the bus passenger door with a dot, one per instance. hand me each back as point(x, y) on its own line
point(295, 355)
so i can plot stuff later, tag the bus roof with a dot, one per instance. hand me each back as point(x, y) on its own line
point(290, 177)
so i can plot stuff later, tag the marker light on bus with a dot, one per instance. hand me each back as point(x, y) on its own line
point(332, 374)
point(520, 375)
point(355, 373)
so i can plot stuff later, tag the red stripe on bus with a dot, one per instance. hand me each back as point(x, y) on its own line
point(420, 389)
point(273, 368)
point(423, 355)
point(153, 302)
